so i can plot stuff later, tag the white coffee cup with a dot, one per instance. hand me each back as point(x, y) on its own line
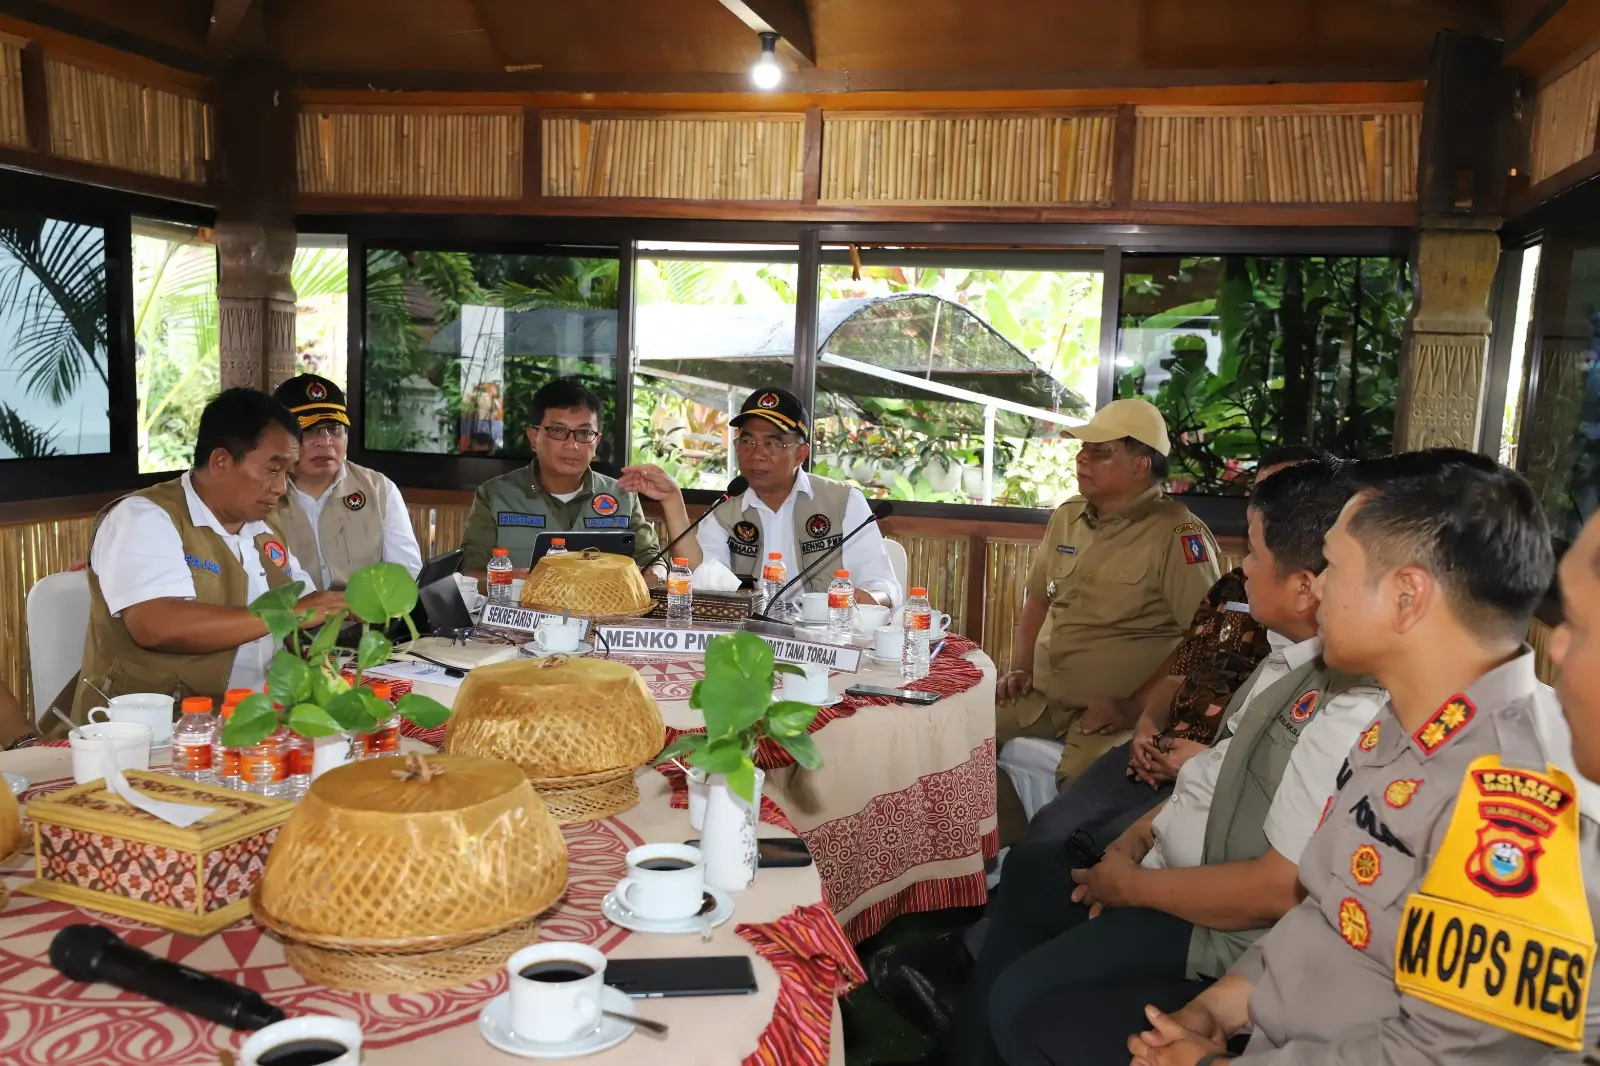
point(870, 616)
point(516, 590)
point(469, 591)
point(129, 743)
point(809, 687)
point(314, 1030)
point(145, 708)
point(938, 624)
point(549, 1012)
point(663, 895)
point(554, 635)
point(814, 606)
point(888, 642)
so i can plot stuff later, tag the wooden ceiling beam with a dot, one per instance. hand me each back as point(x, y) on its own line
point(1475, 15)
point(787, 18)
point(1559, 36)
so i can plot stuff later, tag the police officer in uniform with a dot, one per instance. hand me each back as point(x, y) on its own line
point(1451, 889)
point(1113, 586)
point(800, 515)
point(339, 516)
point(559, 492)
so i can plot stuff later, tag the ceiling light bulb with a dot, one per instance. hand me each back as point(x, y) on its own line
point(766, 74)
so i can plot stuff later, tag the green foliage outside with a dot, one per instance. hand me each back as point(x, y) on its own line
point(1309, 351)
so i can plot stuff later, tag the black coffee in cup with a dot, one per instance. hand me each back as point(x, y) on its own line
point(309, 1052)
point(665, 864)
point(557, 971)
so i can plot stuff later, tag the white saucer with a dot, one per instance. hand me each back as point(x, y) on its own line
point(833, 700)
point(893, 661)
point(494, 1025)
point(613, 909)
point(16, 782)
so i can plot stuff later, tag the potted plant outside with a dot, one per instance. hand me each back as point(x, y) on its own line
point(305, 692)
point(736, 698)
point(941, 462)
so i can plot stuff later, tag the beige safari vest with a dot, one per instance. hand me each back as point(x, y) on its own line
point(350, 530)
point(818, 530)
point(1251, 772)
point(1121, 588)
point(116, 664)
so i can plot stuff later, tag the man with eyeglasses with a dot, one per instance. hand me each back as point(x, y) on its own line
point(559, 491)
point(338, 516)
point(787, 510)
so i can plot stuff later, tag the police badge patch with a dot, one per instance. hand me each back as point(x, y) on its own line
point(818, 525)
point(355, 501)
point(746, 532)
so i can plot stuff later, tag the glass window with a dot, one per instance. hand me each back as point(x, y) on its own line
point(1511, 418)
point(951, 382)
point(1242, 353)
point(54, 338)
point(712, 323)
point(175, 326)
point(458, 342)
point(321, 278)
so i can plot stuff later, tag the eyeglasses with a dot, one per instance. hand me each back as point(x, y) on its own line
point(582, 436)
point(332, 431)
point(764, 445)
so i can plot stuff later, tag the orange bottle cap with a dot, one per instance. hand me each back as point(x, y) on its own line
point(196, 705)
point(234, 695)
point(774, 555)
point(502, 551)
point(841, 573)
point(679, 560)
point(918, 590)
point(379, 689)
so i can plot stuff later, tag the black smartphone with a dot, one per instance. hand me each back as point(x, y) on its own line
point(905, 695)
point(709, 975)
point(776, 852)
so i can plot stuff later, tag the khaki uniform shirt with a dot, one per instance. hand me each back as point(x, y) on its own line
point(510, 512)
point(1121, 590)
point(1324, 976)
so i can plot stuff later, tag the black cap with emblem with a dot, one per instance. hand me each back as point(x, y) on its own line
point(313, 399)
point(777, 406)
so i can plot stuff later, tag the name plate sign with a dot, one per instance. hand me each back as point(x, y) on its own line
point(524, 620)
point(664, 640)
point(846, 660)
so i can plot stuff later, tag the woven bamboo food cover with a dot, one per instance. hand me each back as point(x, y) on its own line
point(590, 583)
point(10, 823)
point(557, 717)
point(377, 858)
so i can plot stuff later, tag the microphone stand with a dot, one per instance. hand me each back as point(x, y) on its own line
point(818, 561)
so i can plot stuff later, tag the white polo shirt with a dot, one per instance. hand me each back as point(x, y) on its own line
point(864, 554)
point(138, 556)
point(1308, 780)
point(399, 539)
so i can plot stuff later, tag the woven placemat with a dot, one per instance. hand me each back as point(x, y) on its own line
point(423, 972)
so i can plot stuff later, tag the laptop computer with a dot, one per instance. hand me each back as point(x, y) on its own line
point(435, 574)
point(617, 542)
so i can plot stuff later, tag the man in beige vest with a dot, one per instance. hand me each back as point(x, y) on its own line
point(339, 516)
point(173, 568)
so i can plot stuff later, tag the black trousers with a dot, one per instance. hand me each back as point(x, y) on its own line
point(1043, 952)
point(1094, 798)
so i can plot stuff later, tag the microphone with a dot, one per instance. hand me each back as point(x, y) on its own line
point(881, 509)
point(736, 487)
point(94, 953)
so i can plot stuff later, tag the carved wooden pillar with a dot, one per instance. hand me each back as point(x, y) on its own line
point(1446, 348)
point(255, 233)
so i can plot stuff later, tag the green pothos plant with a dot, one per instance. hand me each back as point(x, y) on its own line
point(305, 690)
point(736, 698)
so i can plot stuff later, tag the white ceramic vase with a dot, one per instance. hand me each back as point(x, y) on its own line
point(972, 481)
point(728, 839)
point(329, 753)
point(943, 478)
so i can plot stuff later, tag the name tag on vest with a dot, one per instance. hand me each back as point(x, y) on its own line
point(210, 566)
point(618, 522)
point(514, 518)
point(736, 548)
point(825, 544)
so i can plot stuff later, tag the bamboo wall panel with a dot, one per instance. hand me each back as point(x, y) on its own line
point(1564, 116)
point(980, 158)
point(13, 124)
point(99, 118)
point(676, 157)
point(1286, 156)
point(939, 564)
point(438, 527)
point(415, 153)
point(29, 551)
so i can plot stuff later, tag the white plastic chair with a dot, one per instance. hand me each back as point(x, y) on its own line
point(897, 560)
point(58, 623)
point(1031, 763)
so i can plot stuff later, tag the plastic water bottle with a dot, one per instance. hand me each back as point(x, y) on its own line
point(841, 602)
point(226, 762)
point(918, 623)
point(773, 575)
point(500, 579)
point(680, 592)
point(558, 546)
point(385, 740)
point(299, 753)
point(193, 740)
point(264, 767)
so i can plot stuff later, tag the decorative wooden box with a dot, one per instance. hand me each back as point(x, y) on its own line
point(94, 850)
point(708, 606)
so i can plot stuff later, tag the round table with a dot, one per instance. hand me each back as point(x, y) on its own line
point(47, 1019)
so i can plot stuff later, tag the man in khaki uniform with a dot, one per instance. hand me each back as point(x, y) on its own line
point(1113, 586)
point(1451, 890)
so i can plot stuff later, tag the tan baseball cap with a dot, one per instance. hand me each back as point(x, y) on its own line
point(1139, 419)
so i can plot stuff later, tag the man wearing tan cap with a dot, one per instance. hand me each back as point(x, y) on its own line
point(1112, 588)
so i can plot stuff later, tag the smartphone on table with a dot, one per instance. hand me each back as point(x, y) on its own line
point(706, 975)
point(776, 852)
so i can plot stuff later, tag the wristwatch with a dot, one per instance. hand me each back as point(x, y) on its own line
point(26, 740)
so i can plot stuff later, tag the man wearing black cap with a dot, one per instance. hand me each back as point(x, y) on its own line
point(338, 516)
point(786, 510)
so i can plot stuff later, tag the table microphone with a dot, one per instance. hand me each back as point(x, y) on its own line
point(736, 487)
point(880, 509)
point(94, 953)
